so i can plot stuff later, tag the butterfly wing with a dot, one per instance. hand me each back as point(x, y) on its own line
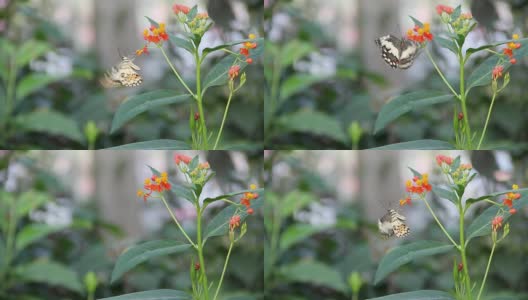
point(409, 51)
point(124, 74)
point(400, 229)
point(385, 226)
point(390, 49)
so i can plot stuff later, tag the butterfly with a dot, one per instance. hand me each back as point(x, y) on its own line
point(392, 223)
point(123, 74)
point(398, 53)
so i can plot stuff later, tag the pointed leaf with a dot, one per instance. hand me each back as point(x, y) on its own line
point(312, 122)
point(409, 102)
point(314, 273)
point(471, 201)
point(229, 195)
point(50, 122)
point(182, 43)
point(447, 43)
point(295, 50)
point(29, 51)
point(135, 255)
point(297, 83)
point(154, 295)
point(417, 295)
point(155, 145)
point(33, 232)
point(32, 83)
point(29, 201)
point(294, 201)
point(297, 233)
point(418, 145)
point(140, 103)
point(402, 255)
point(229, 45)
point(51, 273)
point(445, 194)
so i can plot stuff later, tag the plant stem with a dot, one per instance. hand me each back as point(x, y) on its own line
point(10, 95)
point(487, 120)
point(223, 119)
point(10, 243)
point(176, 72)
point(200, 251)
point(467, 129)
point(176, 221)
point(223, 271)
point(463, 251)
point(203, 128)
point(441, 74)
point(440, 224)
point(487, 269)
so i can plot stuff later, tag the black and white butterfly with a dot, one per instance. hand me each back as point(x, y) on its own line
point(392, 223)
point(398, 53)
point(124, 74)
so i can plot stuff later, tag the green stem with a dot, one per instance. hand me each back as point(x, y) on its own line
point(487, 269)
point(176, 221)
point(200, 251)
point(223, 271)
point(10, 243)
point(463, 98)
point(176, 72)
point(203, 128)
point(487, 120)
point(223, 119)
point(10, 95)
point(463, 251)
point(440, 224)
point(441, 74)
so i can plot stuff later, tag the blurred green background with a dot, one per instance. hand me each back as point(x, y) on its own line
point(321, 215)
point(63, 47)
point(326, 80)
point(83, 205)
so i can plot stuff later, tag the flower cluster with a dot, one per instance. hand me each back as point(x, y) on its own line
point(496, 73)
point(155, 183)
point(233, 72)
point(442, 159)
point(246, 199)
point(496, 223)
point(462, 23)
point(180, 158)
point(420, 33)
point(459, 173)
point(198, 23)
point(508, 51)
point(510, 197)
point(155, 35)
point(198, 174)
point(418, 185)
point(234, 222)
point(247, 47)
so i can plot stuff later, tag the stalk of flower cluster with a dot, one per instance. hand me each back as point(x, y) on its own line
point(176, 221)
point(439, 223)
point(224, 269)
point(199, 100)
point(224, 118)
point(462, 250)
point(487, 120)
point(441, 74)
point(463, 98)
point(200, 250)
point(487, 270)
point(176, 72)
point(10, 241)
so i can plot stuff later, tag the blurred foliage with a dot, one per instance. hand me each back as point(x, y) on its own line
point(306, 260)
point(307, 110)
point(47, 105)
point(57, 262)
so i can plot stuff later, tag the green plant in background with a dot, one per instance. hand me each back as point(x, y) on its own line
point(488, 223)
point(17, 237)
point(458, 26)
point(225, 72)
point(229, 220)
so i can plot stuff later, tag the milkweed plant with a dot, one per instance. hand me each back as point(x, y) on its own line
point(228, 222)
point(492, 72)
point(491, 223)
point(191, 26)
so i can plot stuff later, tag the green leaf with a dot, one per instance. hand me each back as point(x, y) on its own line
point(33, 83)
point(182, 192)
point(482, 75)
point(445, 194)
point(29, 201)
point(294, 201)
point(152, 22)
point(471, 201)
point(482, 224)
point(418, 295)
point(192, 13)
point(448, 44)
point(135, 255)
point(29, 51)
point(456, 13)
point(406, 103)
point(297, 83)
point(32, 233)
point(154, 295)
point(416, 22)
point(229, 45)
point(219, 225)
point(402, 255)
point(312, 122)
point(155, 145)
point(51, 273)
point(315, 273)
point(415, 173)
point(140, 103)
point(50, 122)
point(418, 145)
point(297, 233)
point(295, 50)
point(182, 43)
point(207, 201)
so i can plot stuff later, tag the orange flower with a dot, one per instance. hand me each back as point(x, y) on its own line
point(204, 165)
point(249, 60)
point(233, 72)
point(155, 183)
point(444, 8)
point(418, 185)
point(444, 159)
point(496, 223)
point(512, 211)
point(466, 16)
point(234, 222)
point(247, 197)
point(497, 72)
point(247, 47)
point(142, 51)
point(182, 158)
point(180, 8)
point(510, 197)
point(203, 15)
point(405, 201)
point(420, 34)
point(508, 51)
point(197, 266)
point(156, 34)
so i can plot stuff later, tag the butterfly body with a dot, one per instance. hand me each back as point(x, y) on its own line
point(392, 223)
point(398, 53)
point(124, 74)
